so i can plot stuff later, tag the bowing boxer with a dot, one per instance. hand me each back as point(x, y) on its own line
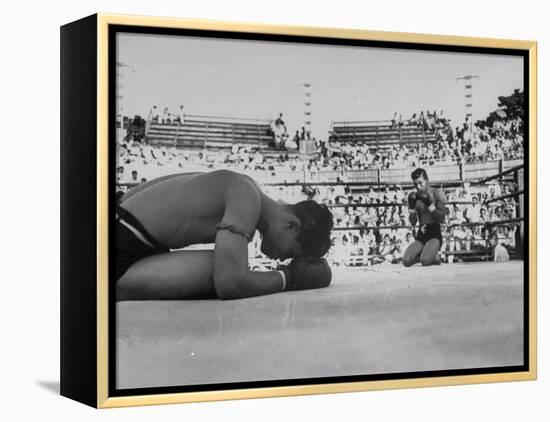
point(427, 206)
point(156, 218)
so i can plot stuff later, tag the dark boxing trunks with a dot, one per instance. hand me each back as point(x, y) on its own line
point(130, 246)
point(429, 231)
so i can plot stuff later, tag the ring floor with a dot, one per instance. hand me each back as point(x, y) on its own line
point(371, 320)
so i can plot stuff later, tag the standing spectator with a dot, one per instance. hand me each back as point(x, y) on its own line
point(279, 121)
point(165, 116)
point(279, 132)
point(296, 140)
point(472, 213)
point(422, 120)
point(181, 115)
point(394, 121)
point(153, 115)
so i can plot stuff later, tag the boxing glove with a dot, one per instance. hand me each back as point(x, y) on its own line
point(424, 197)
point(306, 273)
point(412, 201)
point(426, 200)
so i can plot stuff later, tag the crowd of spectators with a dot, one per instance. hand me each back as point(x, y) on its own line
point(379, 231)
point(502, 139)
point(470, 142)
point(428, 121)
point(380, 216)
point(167, 116)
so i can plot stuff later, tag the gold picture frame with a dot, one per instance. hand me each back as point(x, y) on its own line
point(76, 339)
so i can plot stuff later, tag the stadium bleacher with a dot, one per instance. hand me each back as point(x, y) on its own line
point(211, 132)
point(381, 135)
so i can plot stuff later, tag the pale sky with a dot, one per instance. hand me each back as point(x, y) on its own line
point(259, 79)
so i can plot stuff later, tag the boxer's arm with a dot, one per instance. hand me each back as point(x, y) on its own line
point(413, 213)
point(413, 217)
point(440, 203)
point(232, 278)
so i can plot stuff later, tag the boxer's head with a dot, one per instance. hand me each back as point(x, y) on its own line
point(420, 179)
point(302, 229)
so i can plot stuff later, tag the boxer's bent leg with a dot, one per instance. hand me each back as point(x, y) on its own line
point(170, 276)
point(429, 252)
point(412, 253)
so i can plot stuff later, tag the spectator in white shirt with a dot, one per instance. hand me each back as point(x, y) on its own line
point(500, 253)
point(165, 115)
point(181, 115)
point(472, 213)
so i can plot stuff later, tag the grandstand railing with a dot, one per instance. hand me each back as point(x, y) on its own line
point(447, 173)
point(444, 172)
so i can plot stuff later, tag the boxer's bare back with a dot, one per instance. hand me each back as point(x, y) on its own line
point(183, 209)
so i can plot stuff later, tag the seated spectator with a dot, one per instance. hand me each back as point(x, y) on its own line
point(386, 249)
point(500, 254)
point(370, 242)
point(356, 248)
point(120, 174)
point(409, 238)
point(483, 217)
point(134, 178)
point(458, 234)
point(468, 237)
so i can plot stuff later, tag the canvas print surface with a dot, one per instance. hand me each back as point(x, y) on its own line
point(291, 211)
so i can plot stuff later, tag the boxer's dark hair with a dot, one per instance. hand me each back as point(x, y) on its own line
point(316, 224)
point(419, 172)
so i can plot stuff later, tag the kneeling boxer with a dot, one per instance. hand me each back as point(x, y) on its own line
point(224, 208)
point(427, 206)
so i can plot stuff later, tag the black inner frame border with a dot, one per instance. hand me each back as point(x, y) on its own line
point(112, 32)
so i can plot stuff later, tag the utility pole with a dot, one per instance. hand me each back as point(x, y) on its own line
point(468, 95)
point(120, 75)
point(307, 88)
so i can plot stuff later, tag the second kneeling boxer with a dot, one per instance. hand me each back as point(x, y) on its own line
point(427, 206)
